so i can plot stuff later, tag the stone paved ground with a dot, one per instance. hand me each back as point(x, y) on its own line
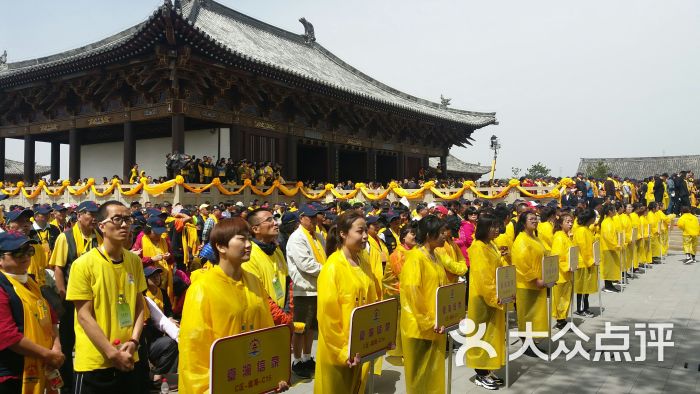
point(668, 293)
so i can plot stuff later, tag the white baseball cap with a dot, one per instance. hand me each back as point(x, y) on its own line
point(204, 206)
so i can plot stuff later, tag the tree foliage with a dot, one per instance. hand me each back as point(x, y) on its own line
point(598, 170)
point(538, 170)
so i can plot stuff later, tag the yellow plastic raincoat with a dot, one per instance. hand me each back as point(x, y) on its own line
point(423, 349)
point(216, 306)
point(454, 262)
point(341, 288)
point(609, 248)
point(484, 307)
point(561, 293)
point(527, 255)
point(545, 232)
point(586, 281)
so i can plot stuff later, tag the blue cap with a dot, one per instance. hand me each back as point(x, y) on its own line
point(152, 212)
point(307, 210)
point(13, 240)
point(42, 210)
point(58, 207)
point(17, 213)
point(331, 216)
point(372, 219)
point(391, 216)
point(88, 206)
point(290, 217)
point(319, 207)
point(150, 270)
point(157, 224)
point(186, 212)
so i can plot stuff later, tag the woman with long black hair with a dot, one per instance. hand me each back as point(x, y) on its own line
point(586, 275)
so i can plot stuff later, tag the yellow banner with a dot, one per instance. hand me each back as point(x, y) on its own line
point(450, 306)
point(373, 328)
point(251, 363)
point(505, 284)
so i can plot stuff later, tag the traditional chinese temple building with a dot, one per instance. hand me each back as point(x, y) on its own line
point(200, 78)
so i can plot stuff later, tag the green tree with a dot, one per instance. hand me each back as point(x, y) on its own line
point(538, 170)
point(598, 170)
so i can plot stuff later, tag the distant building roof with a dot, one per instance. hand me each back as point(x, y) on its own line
point(260, 44)
point(458, 166)
point(643, 167)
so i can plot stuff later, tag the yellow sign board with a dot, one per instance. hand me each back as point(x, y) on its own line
point(373, 328)
point(251, 363)
point(450, 305)
point(596, 252)
point(573, 258)
point(505, 284)
point(550, 269)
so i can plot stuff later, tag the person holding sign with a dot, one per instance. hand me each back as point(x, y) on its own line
point(225, 301)
point(561, 293)
point(106, 286)
point(586, 280)
point(610, 248)
point(345, 283)
point(483, 303)
point(423, 343)
point(531, 292)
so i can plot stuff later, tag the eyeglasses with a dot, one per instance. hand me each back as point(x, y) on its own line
point(24, 252)
point(270, 219)
point(120, 220)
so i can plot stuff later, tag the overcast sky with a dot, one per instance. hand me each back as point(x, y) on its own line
point(566, 79)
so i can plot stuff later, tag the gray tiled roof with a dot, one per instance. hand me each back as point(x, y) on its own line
point(456, 165)
point(13, 167)
point(642, 167)
point(276, 48)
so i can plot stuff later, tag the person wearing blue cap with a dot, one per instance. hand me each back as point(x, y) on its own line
point(19, 220)
point(71, 244)
point(305, 257)
point(27, 326)
point(106, 286)
point(42, 231)
point(59, 216)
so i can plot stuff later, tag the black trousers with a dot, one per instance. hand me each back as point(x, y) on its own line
point(11, 386)
point(66, 334)
point(582, 299)
point(163, 354)
point(107, 381)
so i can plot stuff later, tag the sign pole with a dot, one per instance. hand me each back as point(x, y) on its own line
point(549, 324)
point(449, 365)
point(600, 296)
point(507, 344)
point(573, 297)
point(623, 274)
point(370, 383)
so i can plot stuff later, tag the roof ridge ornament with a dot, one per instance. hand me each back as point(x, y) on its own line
point(444, 101)
point(309, 36)
point(3, 60)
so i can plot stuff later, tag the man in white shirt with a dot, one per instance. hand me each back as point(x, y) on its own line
point(305, 256)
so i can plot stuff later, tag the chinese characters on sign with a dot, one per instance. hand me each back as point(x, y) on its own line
point(550, 269)
point(253, 362)
point(450, 307)
point(373, 327)
point(505, 284)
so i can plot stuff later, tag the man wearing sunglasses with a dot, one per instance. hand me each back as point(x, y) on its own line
point(19, 221)
point(28, 332)
point(106, 287)
point(71, 244)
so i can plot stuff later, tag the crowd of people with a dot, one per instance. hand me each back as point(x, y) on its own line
point(110, 296)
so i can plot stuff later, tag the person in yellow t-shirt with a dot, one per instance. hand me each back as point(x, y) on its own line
point(227, 300)
point(483, 306)
point(106, 285)
point(30, 350)
point(691, 230)
point(345, 282)
point(423, 343)
point(19, 220)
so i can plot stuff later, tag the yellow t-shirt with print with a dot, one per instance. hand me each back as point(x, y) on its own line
point(95, 278)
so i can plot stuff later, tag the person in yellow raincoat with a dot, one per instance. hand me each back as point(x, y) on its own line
point(423, 342)
point(455, 263)
point(644, 251)
point(561, 293)
point(545, 228)
point(623, 211)
point(690, 226)
point(665, 221)
point(653, 220)
point(345, 282)
point(531, 292)
point(609, 248)
point(392, 271)
point(226, 301)
point(484, 258)
point(635, 247)
point(586, 276)
point(26, 353)
point(503, 242)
